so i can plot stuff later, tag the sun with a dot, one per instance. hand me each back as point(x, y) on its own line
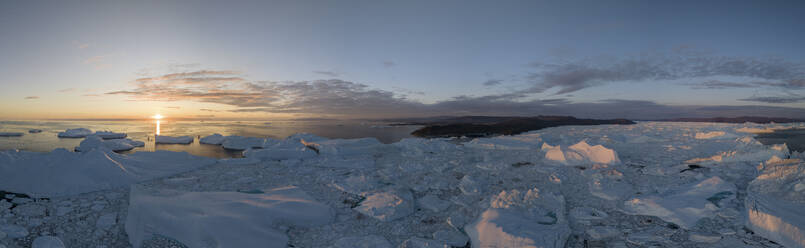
point(157, 116)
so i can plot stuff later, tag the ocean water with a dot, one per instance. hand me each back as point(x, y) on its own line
point(793, 138)
point(145, 130)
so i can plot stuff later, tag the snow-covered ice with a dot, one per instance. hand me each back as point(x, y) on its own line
point(242, 143)
point(75, 133)
point(775, 203)
point(162, 139)
point(62, 172)
point(222, 219)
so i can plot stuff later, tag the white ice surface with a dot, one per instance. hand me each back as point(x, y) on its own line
point(215, 139)
point(110, 135)
point(222, 219)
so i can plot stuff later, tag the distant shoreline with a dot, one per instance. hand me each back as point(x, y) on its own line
point(484, 126)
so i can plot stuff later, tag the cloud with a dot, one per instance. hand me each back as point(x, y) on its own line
point(173, 107)
point(327, 73)
point(344, 99)
point(581, 74)
point(31, 97)
point(716, 84)
point(388, 64)
point(67, 90)
point(209, 110)
point(775, 99)
point(493, 82)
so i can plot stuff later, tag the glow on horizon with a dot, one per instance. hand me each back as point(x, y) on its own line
point(157, 116)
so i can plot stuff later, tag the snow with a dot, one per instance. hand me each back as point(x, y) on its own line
point(710, 135)
point(222, 219)
point(162, 139)
point(10, 134)
point(775, 201)
point(61, 172)
point(75, 133)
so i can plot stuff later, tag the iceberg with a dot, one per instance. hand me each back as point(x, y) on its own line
point(161, 139)
point(775, 201)
point(62, 172)
point(581, 153)
point(75, 133)
point(222, 219)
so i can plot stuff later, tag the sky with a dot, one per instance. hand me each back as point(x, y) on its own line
point(387, 59)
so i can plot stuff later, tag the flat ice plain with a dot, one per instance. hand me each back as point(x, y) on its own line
point(651, 184)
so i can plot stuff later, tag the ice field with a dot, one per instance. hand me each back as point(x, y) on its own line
point(654, 184)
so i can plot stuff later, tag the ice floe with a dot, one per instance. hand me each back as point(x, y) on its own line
point(96, 142)
point(75, 133)
point(215, 139)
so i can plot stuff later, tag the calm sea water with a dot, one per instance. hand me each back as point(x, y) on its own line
point(145, 130)
point(793, 138)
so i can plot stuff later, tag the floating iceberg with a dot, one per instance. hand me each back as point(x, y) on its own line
point(35, 131)
point(222, 219)
point(62, 172)
point(775, 201)
point(10, 134)
point(684, 205)
point(75, 133)
point(110, 135)
point(94, 142)
point(161, 139)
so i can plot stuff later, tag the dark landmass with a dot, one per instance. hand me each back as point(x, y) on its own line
point(482, 126)
point(742, 119)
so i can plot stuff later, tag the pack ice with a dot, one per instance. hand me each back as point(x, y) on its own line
point(652, 184)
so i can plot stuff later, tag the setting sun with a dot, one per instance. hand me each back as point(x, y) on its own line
point(157, 116)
